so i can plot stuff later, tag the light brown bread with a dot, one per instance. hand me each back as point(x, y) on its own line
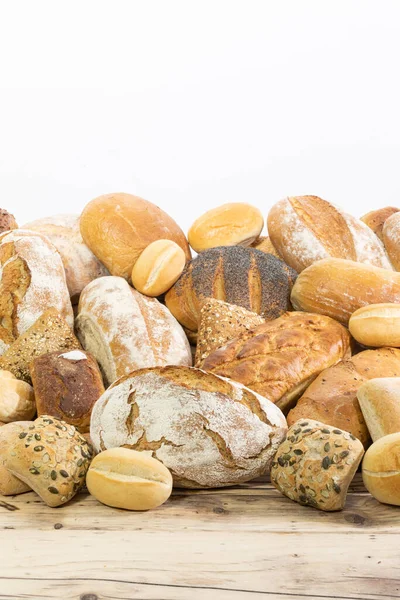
point(17, 400)
point(264, 244)
point(316, 464)
point(49, 333)
point(305, 229)
point(67, 385)
point(246, 277)
point(376, 325)
point(391, 239)
point(7, 221)
point(381, 469)
point(231, 224)
point(332, 397)
point(118, 227)
point(337, 288)
point(9, 484)
point(377, 218)
point(189, 420)
point(158, 267)
point(125, 330)
point(280, 358)
point(221, 322)
point(379, 400)
point(127, 479)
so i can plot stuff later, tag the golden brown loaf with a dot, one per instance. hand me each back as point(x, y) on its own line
point(305, 229)
point(316, 464)
point(280, 358)
point(376, 325)
point(9, 484)
point(80, 264)
point(128, 479)
point(332, 397)
point(376, 219)
point(220, 322)
point(379, 400)
point(231, 224)
point(381, 469)
point(337, 288)
point(7, 221)
point(391, 239)
point(49, 333)
point(246, 277)
point(17, 400)
point(125, 330)
point(189, 420)
point(158, 267)
point(32, 279)
point(265, 245)
point(67, 385)
point(118, 227)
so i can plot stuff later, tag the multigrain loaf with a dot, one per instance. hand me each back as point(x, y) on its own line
point(305, 229)
point(391, 238)
point(80, 264)
point(17, 400)
point(280, 358)
point(125, 330)
point(379, 400)
point(381, 469)
point(208, 431)
point(246, 277)
point(377, 218)
point(332, 397)
point(9, 484)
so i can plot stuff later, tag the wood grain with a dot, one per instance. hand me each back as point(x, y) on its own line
point(242, 542)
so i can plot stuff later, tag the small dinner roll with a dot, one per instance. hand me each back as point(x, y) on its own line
point(158, 267)
point(376, 325)
point(17, 400)
point(125, 478)
point(381, 469)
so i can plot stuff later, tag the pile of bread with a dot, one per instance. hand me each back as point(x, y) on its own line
point(294, 337)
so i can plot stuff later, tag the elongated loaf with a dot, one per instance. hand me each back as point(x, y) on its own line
point(125, 330)
point(32, 279)
point(337, 288)
point(280, 358)
point(208, 431)
point(379, 400)
point(305, 229)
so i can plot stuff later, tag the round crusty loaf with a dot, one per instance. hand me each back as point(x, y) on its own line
point(391, 238)
point(208, 431)
point(376, 219)
point(305, 229)
point(125, 330)
point(32, 280)
point(246, 277)
point(381, 469)
point(118, 227)
point(81, 265)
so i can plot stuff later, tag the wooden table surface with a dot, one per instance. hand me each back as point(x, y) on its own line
point(245, 542)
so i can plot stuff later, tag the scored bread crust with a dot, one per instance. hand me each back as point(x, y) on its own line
point(208, 431)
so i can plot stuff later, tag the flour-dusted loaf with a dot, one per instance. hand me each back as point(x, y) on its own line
point(391, 238)
point(243, 276)
point(379, 400)
point(81, 265)
point(32, 279)
point(280, 358)
point(305, 229)
point(316, 464)
point(209, 432)
point(125, 330)
point(376, 219)
point(9, 484)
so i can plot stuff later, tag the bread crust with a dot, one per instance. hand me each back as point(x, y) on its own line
point(377, 218)
point(379, 401)
point(391, 238)
point(381, 469)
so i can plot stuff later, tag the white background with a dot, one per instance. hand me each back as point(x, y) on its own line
point(195, 103)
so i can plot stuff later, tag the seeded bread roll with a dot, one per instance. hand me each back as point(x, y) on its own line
point(376, 325)
point(377, 218)
point(51, 457)
point(7, 221)
point(280, 358)
point(391, 238)
point(316, 464)
point(381, 469)
point(209, 432)
point(17, 400)
point(9, 484)
point(305, 229)
point(379, 400)
point(246, 277)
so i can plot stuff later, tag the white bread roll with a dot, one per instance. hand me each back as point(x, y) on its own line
point(125, 330)
point(376, 325)
point(9, 484)
point(381, 469)
point(379, 400)
point(17, 400)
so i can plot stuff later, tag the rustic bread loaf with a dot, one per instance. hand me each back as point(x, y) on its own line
point(220, 323)
point(231, 224)
point(337, 288)
point(376, 325)
point(80, 264)
point(391, 238)
point(243, 276)
point(118, 227)
point(379, 400)
point(9, 484)
point(208, 431)
point(49, 333)
point(51, 457)
point(316, 464)
point(67, 385)
point(158, 267)
point(332, 397)
point(7, 221)
point(264, 244)
point(280, 358)
point(128, 479)
point(376, 219)
point(17, 400)
point(305, 229)
point(381, 469)
point(32, 279)
point(125, 330)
